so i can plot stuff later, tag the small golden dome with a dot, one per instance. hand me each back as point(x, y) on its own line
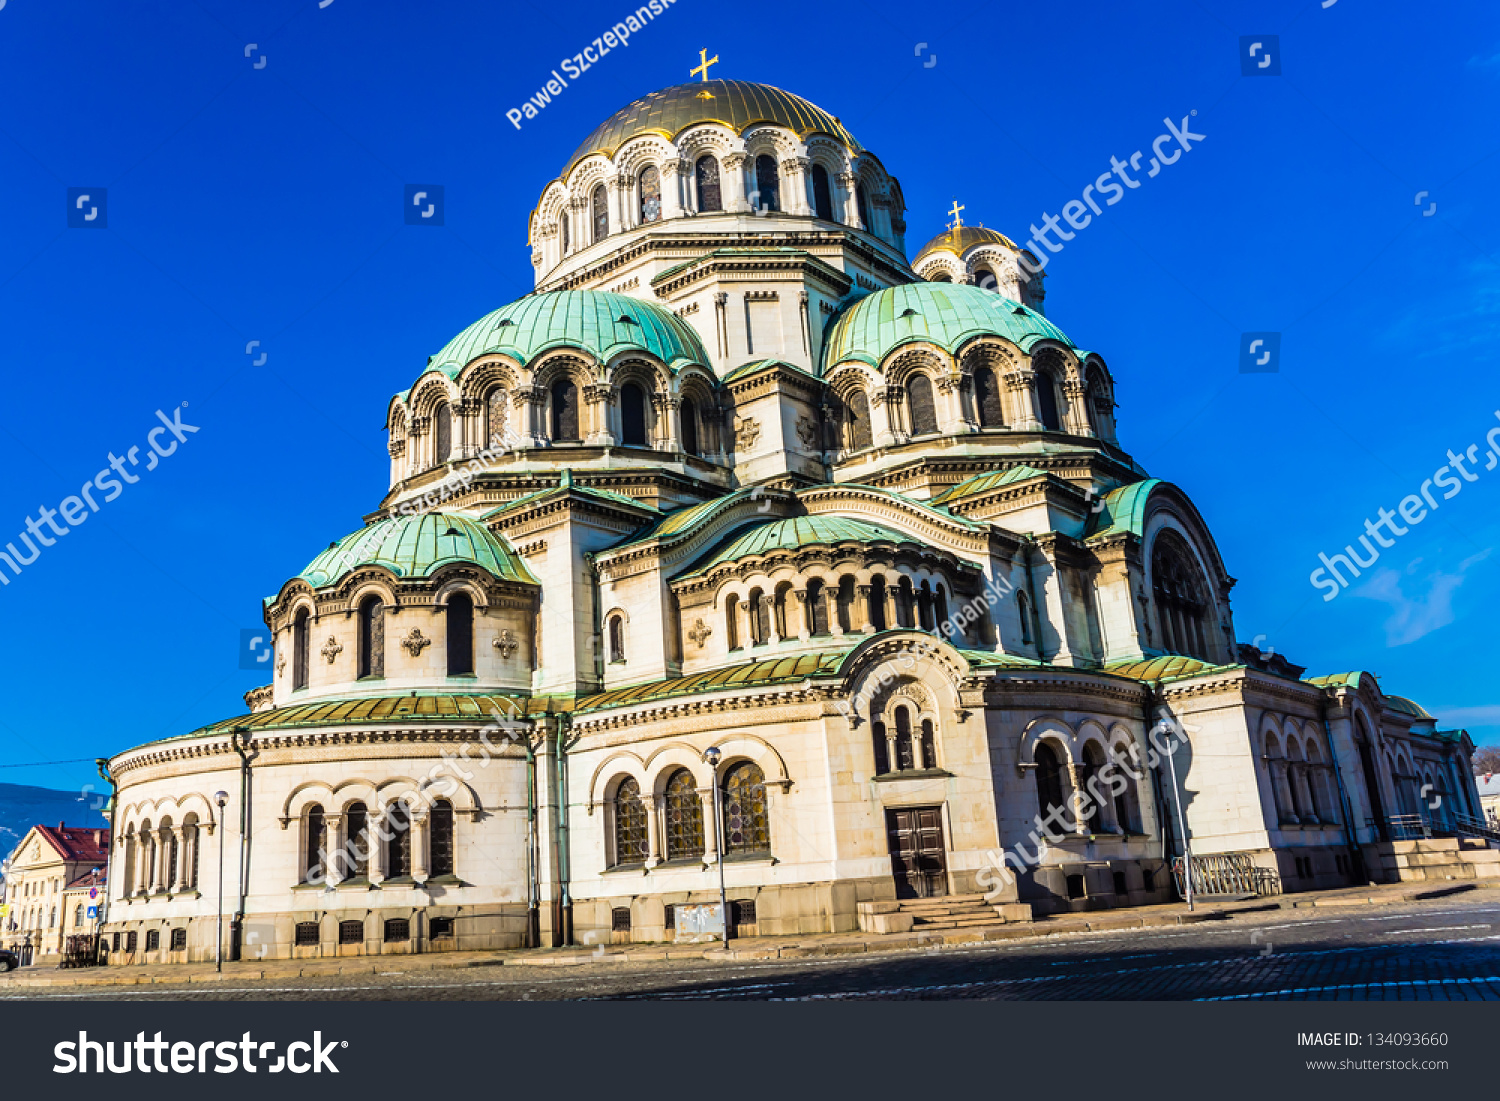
point(961, 240)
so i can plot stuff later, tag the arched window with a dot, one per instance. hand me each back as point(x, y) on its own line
point(1181, 599)
point(1046, 402)
point(562, 229)
point(1023, 609)
point(922, 407)
point(356, 841)
point(599, 208)
point(732, 622)
point(858, 420)
point(190, 835)
point(172, 854)
point(565, 412)
point(496, 416)
point(616, 638)
point(398, 841)
point(299, 648)
point(822, 195)
point(929, 745)
point(985, 279)
point(778, 608)
point(459, 618)
point(877, 603)
point(759, 618)
point(706, 173)
point(442, 433)
point(313, 842)
point(747, 828)
point(1049, 779)
point(632, 415)
point(650, 189)
point(78, 915)
point(1088, 770)
point(630, 824)
point(767, 184)
point(863, 207)
point(371, 637)
point(689, 415)
point(683, 810)
point(1127, 802)
point(440, 838)
point(905, 758)
point(941, 277)
point(987, 399)
point(817, 607)
point(1096, 402)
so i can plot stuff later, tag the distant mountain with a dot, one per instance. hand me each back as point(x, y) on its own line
point(22, 807)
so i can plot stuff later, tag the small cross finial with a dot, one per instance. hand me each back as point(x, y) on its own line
point(704, 62)
point(957, 217)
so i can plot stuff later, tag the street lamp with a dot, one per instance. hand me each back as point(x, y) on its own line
point(712, 755)
point(1187, 849)
point(220, 797)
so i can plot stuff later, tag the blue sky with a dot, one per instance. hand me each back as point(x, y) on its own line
point(262, 202)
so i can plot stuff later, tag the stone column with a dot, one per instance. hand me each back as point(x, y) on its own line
point(619, 201)
point(954, 390)
point(333, 846)
point(666, 408)
point(528, 402)
point(768, 604)
point(794, 185)
point(163, 852)
point(859, 610)
point(420, 839)
point(1022, 399)
point(847, 184)
point(1076, 419)
point(885, 410)
point(829, 595)
point(1075, 801)
point(184, 860)
point(732, 183)
point(710, 827)
point(672, 175)
point(804, 615)
point(653, 830)
point(892, 754)
point(892, 619)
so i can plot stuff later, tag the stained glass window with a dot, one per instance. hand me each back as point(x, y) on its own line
point(495, 413)
point(859, 421)
point(822, 194)
point(923, 410)
point(371, 637)
point(707, 173)
point(600, 205)
point(1179, 592)
point(767, 184)
point(564, 412)
point(443, 433)
point(440, 838)
point(747, 828)
point(630, 824)
point(684, 816)
point(987, 399)
point(650, 194)
point(817, 607)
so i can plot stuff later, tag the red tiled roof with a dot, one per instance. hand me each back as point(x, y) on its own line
point(78, 842)
point(94, 877)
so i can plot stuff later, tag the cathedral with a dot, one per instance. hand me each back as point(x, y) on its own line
point(754, 548)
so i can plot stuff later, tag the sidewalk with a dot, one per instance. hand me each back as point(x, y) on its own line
point(753, 948)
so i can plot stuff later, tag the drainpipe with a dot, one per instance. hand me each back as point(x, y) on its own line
point(1355, 854)
point(102, 764)
point(533, 914)
point(1036, 608)
point(564, 724)
point(237, 738)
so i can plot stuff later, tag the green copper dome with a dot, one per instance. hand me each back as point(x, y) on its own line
point(597, 322)
point(948, 314)
point(417, 546)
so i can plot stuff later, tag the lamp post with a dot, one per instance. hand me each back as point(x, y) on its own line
point(220, 797)
point(1187, 849)
point(712, 755)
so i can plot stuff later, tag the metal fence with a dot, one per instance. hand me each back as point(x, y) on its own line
point(1418, 827)
point(1227, 874)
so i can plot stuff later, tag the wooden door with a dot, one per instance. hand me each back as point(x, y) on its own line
point(916, 842)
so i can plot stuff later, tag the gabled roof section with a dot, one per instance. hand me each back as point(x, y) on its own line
point(797, 532)
point(1123, 511)
point(1164, 668)
point(750, 368)
point(1345, 680)
point(755, 674)
point(79, 843)
point(566, 486)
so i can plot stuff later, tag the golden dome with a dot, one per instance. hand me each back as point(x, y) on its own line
point(961, 240)
point(737, 104)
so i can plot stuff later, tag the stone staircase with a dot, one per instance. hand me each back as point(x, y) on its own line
point(1437, 858)
point(947, 912)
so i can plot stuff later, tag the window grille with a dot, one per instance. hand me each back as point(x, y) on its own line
point(619, 919)
point(397, 929)
point(351, 932)
point(153, 939)
point(307, 934)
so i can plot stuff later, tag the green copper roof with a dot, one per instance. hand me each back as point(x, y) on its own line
point(417, 546)
point(1344, 680)
point(1124, 510)
point(947, 314)
point(1166, 667)
point(750, 675)
point(1408, 707)
point(993, 479)
point(800, 531)
point(565, 484)
point(589, 320)
point(756, 365)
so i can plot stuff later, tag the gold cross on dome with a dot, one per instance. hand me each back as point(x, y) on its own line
point(957, 218)
point(704, 62)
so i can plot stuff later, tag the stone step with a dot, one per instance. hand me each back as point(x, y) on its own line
point(963, 922)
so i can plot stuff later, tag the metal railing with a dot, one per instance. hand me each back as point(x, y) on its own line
point(1418, 827)
point(1227, 874)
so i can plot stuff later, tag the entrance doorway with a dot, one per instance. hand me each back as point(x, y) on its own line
point(915, 836)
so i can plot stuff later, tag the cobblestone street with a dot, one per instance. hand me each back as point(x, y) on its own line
point(1443, 949)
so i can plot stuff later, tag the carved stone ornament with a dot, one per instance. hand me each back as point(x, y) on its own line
point(807, 432)
point(280, 664)
point(700, 632)
point(506, 643)
point(746, 432)
point(331, 649)
point(415, 642)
